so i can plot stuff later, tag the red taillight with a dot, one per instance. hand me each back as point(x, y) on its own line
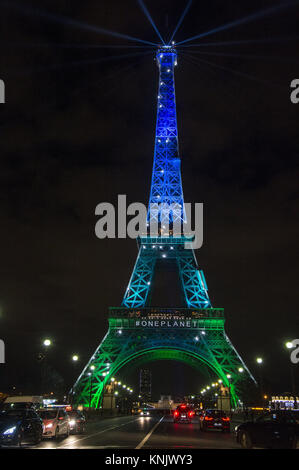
point(176, 413)
point(225, 419)
point(190, 414)
point(60, 418)
point(207, 418)
point(183, 406)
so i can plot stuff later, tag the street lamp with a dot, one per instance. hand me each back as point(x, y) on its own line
point(47, 342)
point(75, 358)
point(259, 361)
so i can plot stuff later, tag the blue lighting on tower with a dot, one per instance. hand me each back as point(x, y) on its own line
point(166, 185)
point(166, 193)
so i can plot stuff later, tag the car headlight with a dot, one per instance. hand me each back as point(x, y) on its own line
point(50, 425)
point(72, 422)
point(236, 428)
point(9, 431)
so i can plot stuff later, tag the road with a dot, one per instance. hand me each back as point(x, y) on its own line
point(134, 432)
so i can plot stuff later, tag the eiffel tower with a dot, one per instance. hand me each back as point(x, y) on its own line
point(139, 333)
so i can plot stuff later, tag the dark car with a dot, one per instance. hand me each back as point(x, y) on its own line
point(20, 426)
point(214, 419)
point(183, 413)
point(77, 422)
point(277, 429)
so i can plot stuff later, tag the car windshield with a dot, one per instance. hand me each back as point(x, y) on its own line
point(73, 414)
point(48, 414)
point(18, 413)
point(216, 413)
point(183, 409)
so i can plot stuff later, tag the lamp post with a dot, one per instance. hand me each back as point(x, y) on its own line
point(75, 359)
point(229, 393)
point(289, 345)
point(46, 343)
point(92, 368)
point(259, 361)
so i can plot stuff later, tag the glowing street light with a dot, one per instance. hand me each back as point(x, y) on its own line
point(47, 342)
point(289, 345)
point(241, 369)
point(259, 360)
point(75, 358)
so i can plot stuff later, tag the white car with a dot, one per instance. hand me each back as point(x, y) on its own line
point(55, 422)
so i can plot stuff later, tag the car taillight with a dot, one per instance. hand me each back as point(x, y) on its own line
point(176, 413)
point(190, 414)
point(225, 419)
point(60, 418)
point(207, 418)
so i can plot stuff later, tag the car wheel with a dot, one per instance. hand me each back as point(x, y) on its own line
point(293, 443)
point(18, 439)
point(245, 439)
point(38, 437)
point(67, 432)
point(57, 435)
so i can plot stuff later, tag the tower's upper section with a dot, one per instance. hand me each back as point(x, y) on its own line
point(166, 186)
point(167, 56)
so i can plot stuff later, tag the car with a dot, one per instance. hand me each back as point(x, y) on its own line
point(56, 422)
point(20, 426)
point(183, 413)
point(275, 429)
point(76, 421)
point(145, 412)
point(214, 419)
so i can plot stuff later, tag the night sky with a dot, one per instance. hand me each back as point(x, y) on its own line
point(78, 129)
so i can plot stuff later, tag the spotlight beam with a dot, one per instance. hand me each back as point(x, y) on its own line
point(245, 41)
point(247, 19)
point(147, 14)
point(247, 56)
point(70, 46)
point(181, 19)
point(27, 11)
point(197, 62)
point(79, 63)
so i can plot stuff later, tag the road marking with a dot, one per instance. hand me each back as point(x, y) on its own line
point(141, 444)
point(96, 433)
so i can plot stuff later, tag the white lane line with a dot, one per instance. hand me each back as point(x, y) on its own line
point(97, 433)
point(141, 444)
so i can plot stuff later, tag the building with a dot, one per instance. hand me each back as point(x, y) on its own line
point(145, 385)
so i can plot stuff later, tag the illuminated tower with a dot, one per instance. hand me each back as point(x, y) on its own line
point(166, 191)
point(139, 333)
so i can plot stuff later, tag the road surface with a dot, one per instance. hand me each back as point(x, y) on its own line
point(134, 432)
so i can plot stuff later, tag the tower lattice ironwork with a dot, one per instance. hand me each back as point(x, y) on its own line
point(137, 332)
